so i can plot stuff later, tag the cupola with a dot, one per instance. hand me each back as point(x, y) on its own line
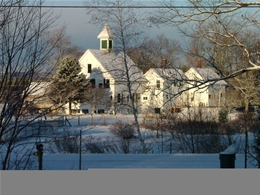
point(106, 39)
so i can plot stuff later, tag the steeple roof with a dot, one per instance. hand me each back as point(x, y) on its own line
point(106, 33)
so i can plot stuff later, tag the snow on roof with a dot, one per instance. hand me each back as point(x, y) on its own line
point(116, 67)
point(106, 33)
point(38, 88)
point(169, 73)
point(208, 73)
point(232, 149)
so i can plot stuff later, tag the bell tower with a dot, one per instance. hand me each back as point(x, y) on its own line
point(106, 39)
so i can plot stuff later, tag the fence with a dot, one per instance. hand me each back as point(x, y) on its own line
point(43, 127)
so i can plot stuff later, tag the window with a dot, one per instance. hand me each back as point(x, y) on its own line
point(209, 96)
point(157, 110)
point(145, 98)
point(118, 97)
point(127, 99)
point(158, 84)
point(104, 44)
point(110, 44)
point(85, 111)
point(106, 83)
point(167, 97)
point(137, 97)
point(101, 111)
point(175, 83)
point(89, 68)
point(93, 83)
point(122, 98)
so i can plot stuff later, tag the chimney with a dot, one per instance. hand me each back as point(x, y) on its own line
point(199, 63)
point(164, 63)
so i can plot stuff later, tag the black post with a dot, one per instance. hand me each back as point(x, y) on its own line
point(162, 140)
point(39, 148)
point(228, 157)
point(40, 161)
point(246, 147)
point(80, 140)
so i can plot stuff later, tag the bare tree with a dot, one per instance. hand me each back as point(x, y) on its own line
point(24, 54)
point(98, 97)
point(151, 53)
point(198, 16)
point(247, 86)
point(62, 45)
point(124, 22)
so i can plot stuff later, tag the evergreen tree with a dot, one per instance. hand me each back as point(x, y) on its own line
point(68, 85)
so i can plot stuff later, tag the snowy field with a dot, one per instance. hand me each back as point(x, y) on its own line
point(136, 161)
point(97, 126)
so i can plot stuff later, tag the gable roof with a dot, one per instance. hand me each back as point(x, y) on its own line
point(106, 33)
point(38, 88)
point(168, 73)
point(115, 65)
point(208, 74)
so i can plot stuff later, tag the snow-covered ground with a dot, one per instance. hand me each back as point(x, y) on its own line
point(98, 161)
point(97, 126)
point(158, 173)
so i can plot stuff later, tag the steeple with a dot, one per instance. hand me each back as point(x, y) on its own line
point(106, 38)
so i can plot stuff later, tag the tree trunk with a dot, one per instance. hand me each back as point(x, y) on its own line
point(246, 106)
point(70, 110)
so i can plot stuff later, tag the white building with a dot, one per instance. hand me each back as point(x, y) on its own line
point(209, 94)
point(115, 77)
point(112, 77)
point(162, 89)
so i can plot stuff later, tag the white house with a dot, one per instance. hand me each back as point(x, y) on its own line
point(111, 76)
point(162, 89)
point(115, 76)
point(209, 94)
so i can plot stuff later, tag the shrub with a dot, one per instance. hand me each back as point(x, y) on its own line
point(223, 115)
point(124, 131)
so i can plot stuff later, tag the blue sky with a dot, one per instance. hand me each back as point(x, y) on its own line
point(84, 34)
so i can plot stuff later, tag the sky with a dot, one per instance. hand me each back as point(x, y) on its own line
point(84, 34)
